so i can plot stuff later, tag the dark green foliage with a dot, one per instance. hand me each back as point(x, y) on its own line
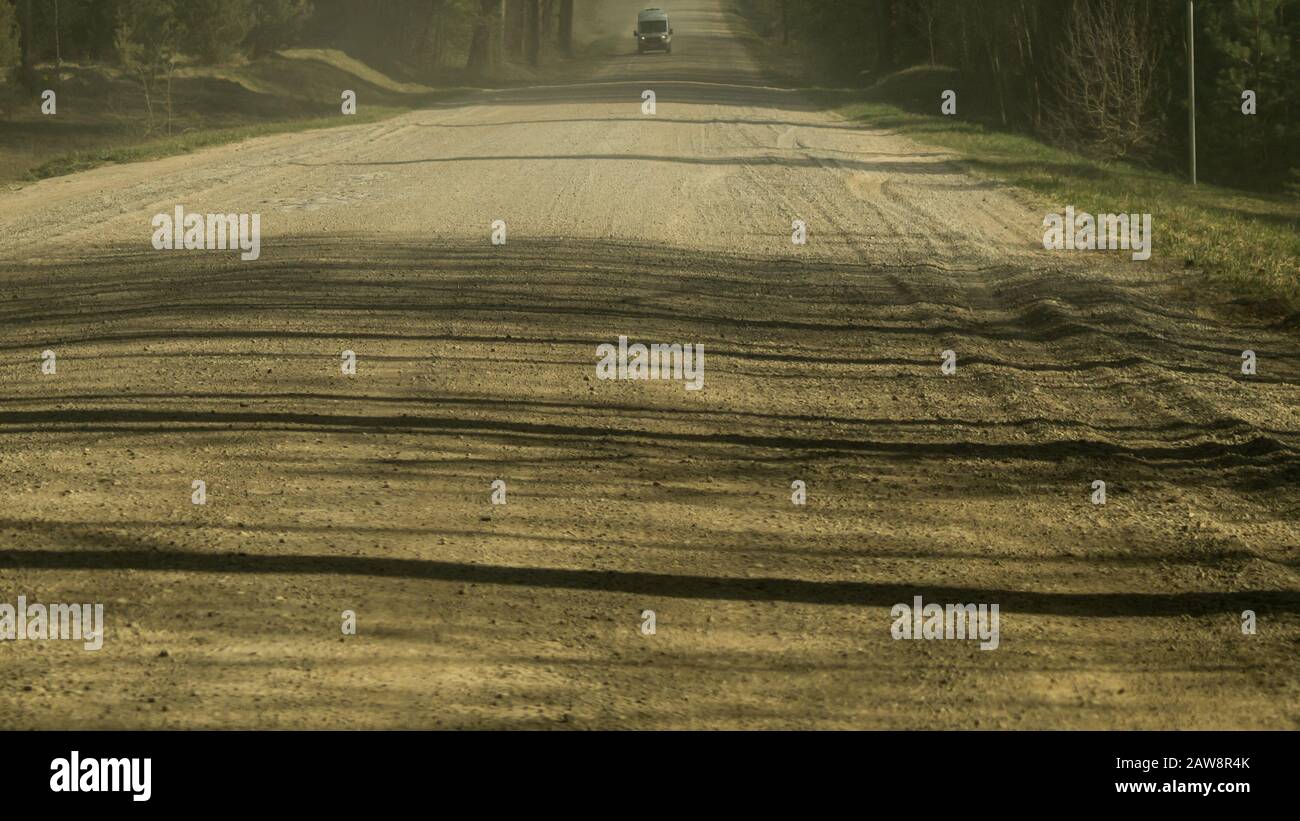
point(215, 29)
point(10, 47)
point(418, 39)
point(1104, 76)
point(277, 23)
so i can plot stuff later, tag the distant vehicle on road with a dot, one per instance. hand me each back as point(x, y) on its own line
point(653, 32)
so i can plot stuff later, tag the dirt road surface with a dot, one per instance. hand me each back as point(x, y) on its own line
point(371, 493)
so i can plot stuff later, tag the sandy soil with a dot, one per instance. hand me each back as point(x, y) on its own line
point(371, 492)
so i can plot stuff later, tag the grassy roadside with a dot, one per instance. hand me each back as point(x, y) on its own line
point(128, 150)
point(1244, 243)
point(102, 116)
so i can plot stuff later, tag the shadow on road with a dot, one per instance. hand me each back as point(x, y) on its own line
point(666, 585)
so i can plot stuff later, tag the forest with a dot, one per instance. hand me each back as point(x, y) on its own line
point(412, 38)
point(1104, 77)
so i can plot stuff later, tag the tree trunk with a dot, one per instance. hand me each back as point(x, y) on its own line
point(27, 72)
point(566, 26)
point(480, 46)
point(930, 12)
point(533, 31)
point(886, 55)
point(29, 20)
point(502, 47)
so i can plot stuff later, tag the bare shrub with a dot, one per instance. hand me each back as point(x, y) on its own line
point(1105, 85)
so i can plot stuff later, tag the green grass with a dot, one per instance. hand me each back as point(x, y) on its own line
point(195, 139)
point(1244, 243)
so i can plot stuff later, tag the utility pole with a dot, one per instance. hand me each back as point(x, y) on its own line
point(1191, 84)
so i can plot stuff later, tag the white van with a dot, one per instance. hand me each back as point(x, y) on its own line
point(653, 32)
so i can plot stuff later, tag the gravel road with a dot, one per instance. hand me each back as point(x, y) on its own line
point(476, 362)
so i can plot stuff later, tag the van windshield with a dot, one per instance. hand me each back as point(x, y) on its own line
point(654, 26)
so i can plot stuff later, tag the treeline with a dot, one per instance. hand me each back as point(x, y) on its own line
point(423, 37)
point(51, 31)
point(411, 38)
point(1108, 77)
